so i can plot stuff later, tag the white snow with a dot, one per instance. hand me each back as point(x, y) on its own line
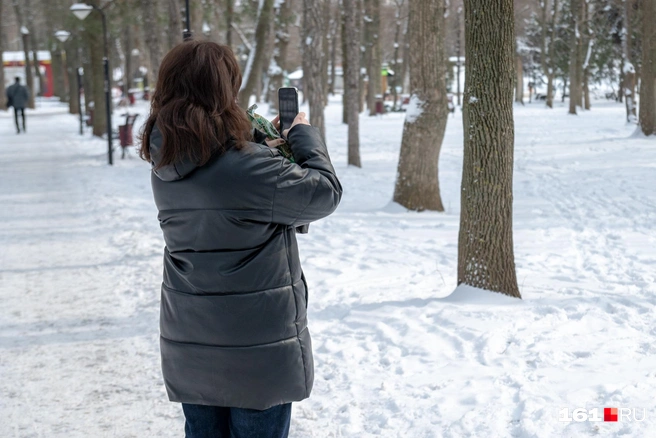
point(414, 109)
point(398, 353)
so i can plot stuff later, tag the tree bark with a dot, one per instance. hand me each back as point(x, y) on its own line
point(258, 54)
point(344, 41)
point(29, 78)
point(397, 42)
point(93, 35)
point(175, 24)
point(57, 61)
point(485, 244)
point(229, 16)
point(628, 69)
point(648, 76)
point(71, 67)
point(574, 57)
point(151, 34)
point(352, 15)
point(283, 18)
point(417, 184)
point(519, 79)
point(312, 48)
point(373, 58)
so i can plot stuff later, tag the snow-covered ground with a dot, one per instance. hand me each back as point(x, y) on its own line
point(397, 353)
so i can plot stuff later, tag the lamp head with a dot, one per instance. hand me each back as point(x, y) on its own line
point(62, 35)
point(81, 10)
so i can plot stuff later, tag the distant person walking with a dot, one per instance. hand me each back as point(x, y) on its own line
point(17, 96)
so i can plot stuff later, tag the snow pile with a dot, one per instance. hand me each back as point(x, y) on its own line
point(415, 109)
point(398, 352)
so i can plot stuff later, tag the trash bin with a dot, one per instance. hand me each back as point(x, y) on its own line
point(125, 135)
point(380, 109)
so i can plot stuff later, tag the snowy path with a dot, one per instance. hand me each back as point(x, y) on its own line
point(81, 261)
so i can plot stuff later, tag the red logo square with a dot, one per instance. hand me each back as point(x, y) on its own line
point(610, 414)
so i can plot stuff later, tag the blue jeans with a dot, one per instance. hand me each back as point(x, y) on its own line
point(218, 422)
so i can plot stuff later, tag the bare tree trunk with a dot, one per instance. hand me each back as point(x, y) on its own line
point(352, 20)
point(417, 184)
point(57, 61)
point(229, 16)
point(71, 69)
point(324, 58)
point(586, 53)
point(519, 79)
point(283, 18)
point(258, 54)
point(574, 56)
point(312, 45)
point(93, 36)
point(628, 69)
point(196, 18)
point(29, 78)
point(344, 39)
point(397, 42)
point(548, 38)
point(485, 244)
point(334, 32)
point(372, 40)
point(149, 13)
point(175, 24)
point(648, 76)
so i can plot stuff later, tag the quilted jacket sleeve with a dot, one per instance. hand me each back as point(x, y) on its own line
point(307, 190)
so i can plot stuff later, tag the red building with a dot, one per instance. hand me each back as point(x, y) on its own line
point(14, 65)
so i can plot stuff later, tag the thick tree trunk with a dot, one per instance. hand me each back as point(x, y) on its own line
point(648, 76)
point(352, 15)
point(258, 54)
point(373, 59)
point(417, 184)
point(485, 244)
point(312, 45)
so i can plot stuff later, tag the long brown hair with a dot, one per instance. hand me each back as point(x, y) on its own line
point(195, 104)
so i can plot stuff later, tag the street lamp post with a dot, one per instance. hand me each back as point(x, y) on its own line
point(186, 34)
point(82, 11)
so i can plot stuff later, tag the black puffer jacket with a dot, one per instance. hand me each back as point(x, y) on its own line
point(233, 313)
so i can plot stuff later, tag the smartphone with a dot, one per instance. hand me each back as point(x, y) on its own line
point(287, 106)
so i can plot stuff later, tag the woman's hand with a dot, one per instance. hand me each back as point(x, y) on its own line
point(299, 120)
point(274, 143)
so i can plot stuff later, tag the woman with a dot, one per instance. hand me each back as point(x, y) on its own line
point(235, 346)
